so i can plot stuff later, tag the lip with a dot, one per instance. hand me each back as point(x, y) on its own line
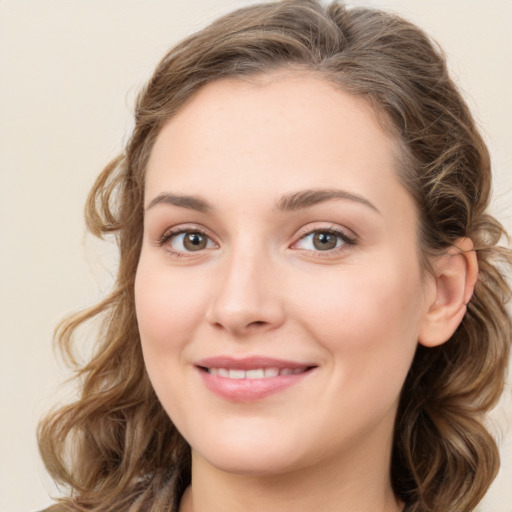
point(245, 389)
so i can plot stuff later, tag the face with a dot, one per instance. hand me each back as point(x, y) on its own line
point(279, 293)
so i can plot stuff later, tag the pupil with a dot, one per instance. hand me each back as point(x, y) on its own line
point(324, 241)
point(194, 241)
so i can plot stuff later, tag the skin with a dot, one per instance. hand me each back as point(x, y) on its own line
point(260, 286)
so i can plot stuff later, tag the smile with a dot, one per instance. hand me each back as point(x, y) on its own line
point(250, 379)
point(258, 373)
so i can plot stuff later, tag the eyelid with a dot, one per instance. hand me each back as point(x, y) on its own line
point(171, 232)
point(325, 226)
point(348, 240)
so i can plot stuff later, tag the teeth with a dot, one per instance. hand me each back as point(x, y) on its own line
point(237, 374)
point(271, 372)
point(257, 373)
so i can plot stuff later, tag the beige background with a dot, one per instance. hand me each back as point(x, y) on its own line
point(69, 73)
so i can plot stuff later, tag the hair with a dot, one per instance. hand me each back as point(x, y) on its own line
point(115, 447)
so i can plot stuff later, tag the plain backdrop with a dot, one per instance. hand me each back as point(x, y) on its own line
point(70, 70)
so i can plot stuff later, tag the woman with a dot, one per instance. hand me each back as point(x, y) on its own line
point(308, 310)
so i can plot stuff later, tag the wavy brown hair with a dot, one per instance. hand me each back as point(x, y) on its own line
point(115, 448)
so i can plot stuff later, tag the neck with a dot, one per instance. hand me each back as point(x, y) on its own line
point(359, 484)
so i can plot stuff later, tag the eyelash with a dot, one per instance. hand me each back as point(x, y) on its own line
point(170, 233)
point(332, 230)
point(345, 239)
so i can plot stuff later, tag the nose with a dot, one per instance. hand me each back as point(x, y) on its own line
point(247, 295)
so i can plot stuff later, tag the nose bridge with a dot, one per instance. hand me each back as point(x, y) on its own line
point(246, 297)
point(243, 264)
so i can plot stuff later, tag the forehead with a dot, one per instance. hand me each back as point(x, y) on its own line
point(271, 134)
point(278, 99)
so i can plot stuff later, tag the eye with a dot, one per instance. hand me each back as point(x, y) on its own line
point(323, 240)
point(186, 241)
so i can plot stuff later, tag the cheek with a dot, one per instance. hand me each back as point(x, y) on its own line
point(368, 314)
point(168, 311)
point(167, 304)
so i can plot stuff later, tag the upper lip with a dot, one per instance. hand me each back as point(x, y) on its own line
point(250, 363)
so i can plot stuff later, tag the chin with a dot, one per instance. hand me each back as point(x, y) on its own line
point(250, 455)
point(249, 464)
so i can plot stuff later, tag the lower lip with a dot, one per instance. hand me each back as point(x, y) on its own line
point(248, 390)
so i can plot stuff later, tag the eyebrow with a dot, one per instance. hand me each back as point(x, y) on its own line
point(289, 202)
point(190, 202)
point(308, 198)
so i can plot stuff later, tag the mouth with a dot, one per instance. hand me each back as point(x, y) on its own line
point(245, 380)
point(256, 373)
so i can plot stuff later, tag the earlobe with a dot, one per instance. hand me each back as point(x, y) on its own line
point(456, 273)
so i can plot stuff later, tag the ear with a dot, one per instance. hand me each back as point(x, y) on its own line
point(456, 272)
